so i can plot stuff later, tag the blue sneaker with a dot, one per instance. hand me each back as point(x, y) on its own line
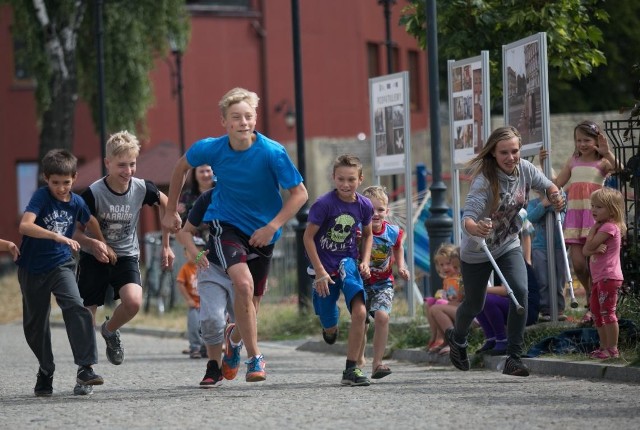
point(255, 369)
point(231, 356)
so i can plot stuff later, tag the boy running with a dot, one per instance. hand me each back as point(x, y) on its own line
point(116, 201)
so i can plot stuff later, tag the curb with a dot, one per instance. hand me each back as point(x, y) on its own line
point(145, 331)
point(540, 366)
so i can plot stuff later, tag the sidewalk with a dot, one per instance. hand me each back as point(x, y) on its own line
point(539, 365)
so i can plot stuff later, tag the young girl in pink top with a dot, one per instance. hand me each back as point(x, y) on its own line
point(603, 249)
point(583, 173)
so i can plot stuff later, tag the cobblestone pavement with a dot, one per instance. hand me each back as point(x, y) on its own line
point(156, 387)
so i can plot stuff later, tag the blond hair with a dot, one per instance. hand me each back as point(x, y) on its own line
point(122, 142)
point(376, 192)
point(450, 252)
point(235, 96)
point(612, 200)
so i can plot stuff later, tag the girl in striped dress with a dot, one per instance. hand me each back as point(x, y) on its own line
point(584, 172)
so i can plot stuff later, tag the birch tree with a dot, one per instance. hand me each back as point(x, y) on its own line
point(59, 42)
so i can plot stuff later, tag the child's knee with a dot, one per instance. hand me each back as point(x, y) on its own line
point(212, 330)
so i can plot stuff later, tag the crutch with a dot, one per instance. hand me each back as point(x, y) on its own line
point(574, 302)
point(483, 245)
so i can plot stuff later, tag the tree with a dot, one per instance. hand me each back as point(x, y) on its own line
point(59, 50)
point(610, 87)
point(466, 27)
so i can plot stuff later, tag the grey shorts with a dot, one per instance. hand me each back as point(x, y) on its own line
point(379, 300)
point(216, 301)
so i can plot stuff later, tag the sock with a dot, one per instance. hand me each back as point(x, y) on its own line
point(106, 331)
point(501, 345)
point(350, 364)
point(234, 344)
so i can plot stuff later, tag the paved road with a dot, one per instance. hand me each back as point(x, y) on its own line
point(156, 387)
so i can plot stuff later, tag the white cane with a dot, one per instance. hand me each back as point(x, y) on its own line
point(483, 245)
point(574, 302)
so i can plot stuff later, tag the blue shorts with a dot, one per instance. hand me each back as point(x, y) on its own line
point(349, 282)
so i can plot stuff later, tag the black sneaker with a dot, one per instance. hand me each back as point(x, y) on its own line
point(515, 367)
point(82, 390)
point(458, 354)
point(115, 350)
point(213, 376)
point(354, 377)
point(86, 376)
point(330, 338)
point(44, 385)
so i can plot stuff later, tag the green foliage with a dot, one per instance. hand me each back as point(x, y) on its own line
point(135, 33)
point(466, 27)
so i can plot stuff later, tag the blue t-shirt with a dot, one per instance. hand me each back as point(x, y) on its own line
point(42, 255)
point(338, 222)
point(247, 194)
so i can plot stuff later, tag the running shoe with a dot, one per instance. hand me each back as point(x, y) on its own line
point(255, 369)
point(44, 384)
point(515, 367)
point(354, 377)
point(115, 350)
point(458, 354)
point(86, 376)
point(212, 376)
point(231, 356)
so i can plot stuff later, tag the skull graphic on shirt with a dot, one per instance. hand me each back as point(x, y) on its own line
point(341, 229)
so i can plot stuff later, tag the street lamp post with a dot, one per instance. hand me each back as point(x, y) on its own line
point(439, 225)
point(100, 67)
point(389, 44)
point(176, 50)
point(304, 293)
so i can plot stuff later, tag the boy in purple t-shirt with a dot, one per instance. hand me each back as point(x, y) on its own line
point(330, 242)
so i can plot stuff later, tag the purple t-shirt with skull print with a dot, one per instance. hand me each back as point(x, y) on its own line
point(338, 222)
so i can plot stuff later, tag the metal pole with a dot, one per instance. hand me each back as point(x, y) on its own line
point(439, 225)
point(101, 102)
point(389, 44)
point(304, 283)
point(178, 55)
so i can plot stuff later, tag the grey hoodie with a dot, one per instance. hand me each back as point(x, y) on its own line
point(514, 195)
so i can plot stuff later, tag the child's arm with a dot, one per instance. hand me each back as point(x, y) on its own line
point(565, 174)
point(168, 257)
point(297, 197)
point(185, 238)
point(543, 154)
point(603, 149)
point(171, 219)
point(28, 227)
point(365, 251)
point(498, 290)
point(595, 243)
point(321, 284)
point(398, 256)
point(10, 247)
point(100, 243)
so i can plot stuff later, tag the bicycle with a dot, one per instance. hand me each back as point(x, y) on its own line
point(159, 285)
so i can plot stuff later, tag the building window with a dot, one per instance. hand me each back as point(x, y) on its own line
point(21, 70)
point(221, 4)
point(415, 80)
point(395, 60)
point(27, 175)
point(373, 59)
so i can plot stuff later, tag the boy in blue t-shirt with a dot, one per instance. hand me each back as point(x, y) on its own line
point(246, 214)
point(46, 266)
point(331, 244)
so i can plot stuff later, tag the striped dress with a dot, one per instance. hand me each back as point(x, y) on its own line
point(586, 177)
